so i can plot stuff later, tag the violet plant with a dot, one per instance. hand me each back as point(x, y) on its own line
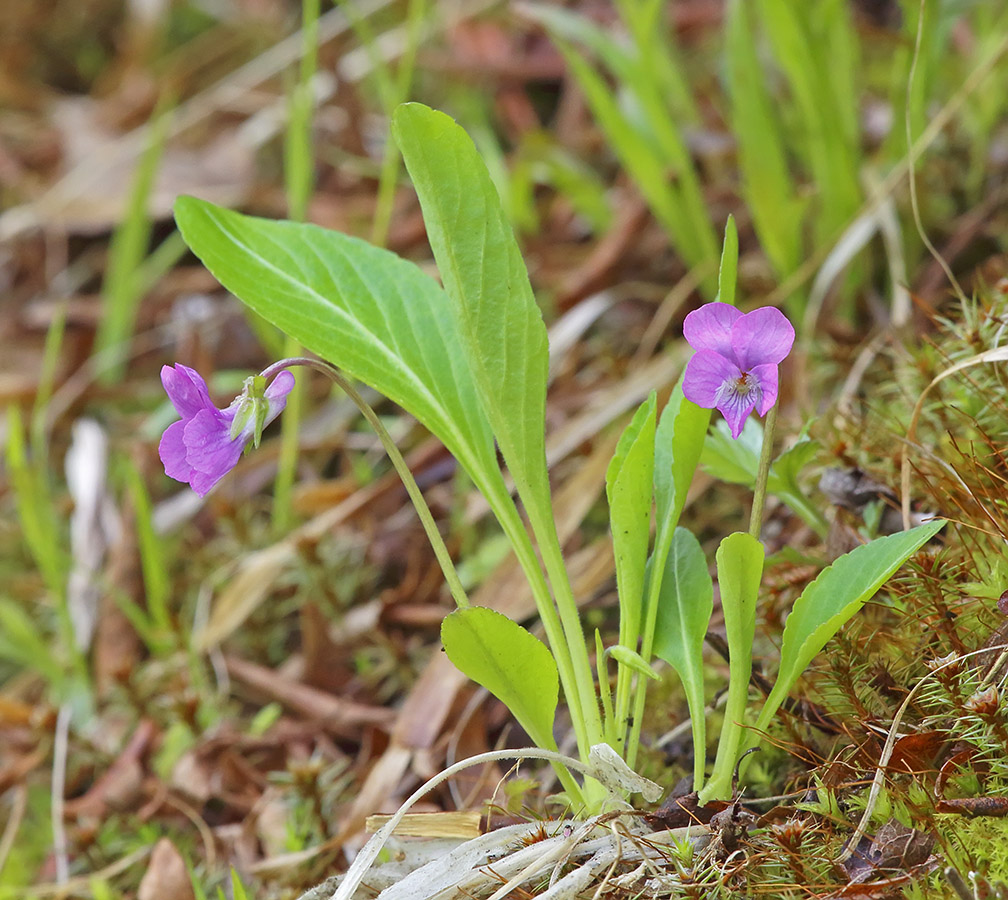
point(469, 361)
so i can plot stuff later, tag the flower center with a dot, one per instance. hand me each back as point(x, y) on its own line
point(745, 384)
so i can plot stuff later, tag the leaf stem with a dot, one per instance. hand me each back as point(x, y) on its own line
point(398, 463)
point(763, 474)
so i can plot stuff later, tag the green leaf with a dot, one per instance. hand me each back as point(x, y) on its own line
point(740, 568)
point(632, 660)
point(736, 461)
point(628, 489)
point(789, 464)
point(501, 328)
point(679, 443)
point(731, 460)
point(514, 665)
point(685, 604)
point(365, 310)
point(504, 345)
point(839, 591)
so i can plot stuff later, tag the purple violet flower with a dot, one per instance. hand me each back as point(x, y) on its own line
point(734, 368)
point(208, 442)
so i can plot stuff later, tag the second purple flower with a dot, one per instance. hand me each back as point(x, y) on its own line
point(734, 368)
point(208, 442)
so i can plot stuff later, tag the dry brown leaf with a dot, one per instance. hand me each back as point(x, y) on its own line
point(167, 877)
point(334, 712)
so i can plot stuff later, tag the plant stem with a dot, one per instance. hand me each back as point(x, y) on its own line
point(570, 618)
point(763, 474)
point(398, 463)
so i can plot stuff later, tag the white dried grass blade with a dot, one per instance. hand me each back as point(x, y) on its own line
point(850, 243)
point(92, 524)
point(449, 870)
point(369, 853)
point(566, 331)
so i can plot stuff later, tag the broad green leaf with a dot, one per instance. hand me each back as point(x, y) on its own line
point(365, 310)
point(504, 346)
point(632, 660)
point(628, 489)
point(839, 591)
point(502, 332)
point(685, 603)
point(740, 568)
point(514, 665)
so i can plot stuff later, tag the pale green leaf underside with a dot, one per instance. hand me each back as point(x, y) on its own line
point(514, 665)
point(365, 310)
point(684, 610)
point(685, 605)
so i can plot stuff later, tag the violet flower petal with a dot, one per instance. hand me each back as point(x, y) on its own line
point(707, 373)
point(766, 377)
point(710, 328)
point(186, 389)
point(276, 393)
point(760, 337)
point(172, 451)
point(735, 405)
point(209, 447)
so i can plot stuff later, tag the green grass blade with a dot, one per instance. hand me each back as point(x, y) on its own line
point(670, 190)
point(815, 47)
point(40, 527)
point(121, 288)
point(767, 185)
point(153, 560)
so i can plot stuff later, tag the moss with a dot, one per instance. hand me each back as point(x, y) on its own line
point(983, 842)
